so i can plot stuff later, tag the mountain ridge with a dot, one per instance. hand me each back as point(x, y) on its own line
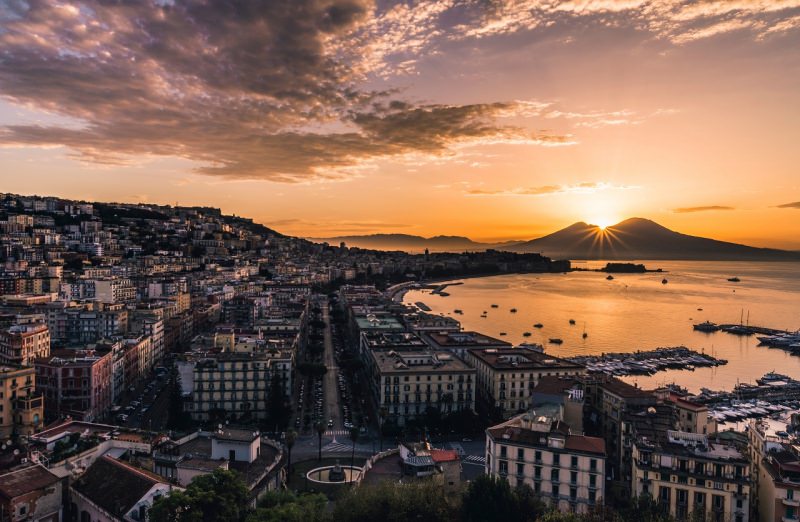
point(630, 239)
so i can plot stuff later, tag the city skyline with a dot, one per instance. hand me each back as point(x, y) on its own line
point(496, 122)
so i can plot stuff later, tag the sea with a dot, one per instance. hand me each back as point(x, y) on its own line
point(639, 312)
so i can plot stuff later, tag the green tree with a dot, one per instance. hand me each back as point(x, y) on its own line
point(354, 432)
point(291, 438)
point(220, 496)
point(285, 506)
point(388, 501)
point(490, 498)
point(320, 427)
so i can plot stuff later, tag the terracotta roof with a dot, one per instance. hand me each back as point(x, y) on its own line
point(444, 455)
point(26, 480)
point(586, 444)
point(684, 403)
point(114, 486)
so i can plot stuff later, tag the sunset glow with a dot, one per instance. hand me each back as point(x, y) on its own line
point(495, 123)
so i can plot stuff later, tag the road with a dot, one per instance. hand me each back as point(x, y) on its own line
point(332, 409)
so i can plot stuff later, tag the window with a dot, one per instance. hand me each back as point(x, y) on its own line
point(554, 475)
point(520, 454)
point(573, 493)
point(538, 456)
point(592, 481)
point(520, 470)
point(503, 452)
point(573, 477)
point(574, 461)
point(503, 467)
point(593, 465)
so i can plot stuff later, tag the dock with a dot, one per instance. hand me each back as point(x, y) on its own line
point(648, 362)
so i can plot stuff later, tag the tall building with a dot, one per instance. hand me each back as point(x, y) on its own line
point(408, 383)
point(775, 468)
point(21, 407)
point(80, 385)
point(565, 470)
point(22, 343)
point(689, 473)
point(507, 376)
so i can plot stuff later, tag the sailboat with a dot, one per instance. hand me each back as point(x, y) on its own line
point(585, 335)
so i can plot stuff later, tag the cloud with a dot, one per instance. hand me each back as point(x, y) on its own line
point(579, 188)
point(246, 89)
point(687, 210)
point(795, 204)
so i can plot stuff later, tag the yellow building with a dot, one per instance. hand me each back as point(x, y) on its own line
point(507, 376)
point(688, 473)
point(21, 408)
point(775, 457)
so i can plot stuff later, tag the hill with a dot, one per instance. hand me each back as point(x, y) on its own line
point(412, 243)
point(638, 238)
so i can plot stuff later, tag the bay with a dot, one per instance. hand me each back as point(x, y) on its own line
point(638, 312)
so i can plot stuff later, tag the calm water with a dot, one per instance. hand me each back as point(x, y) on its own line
point(637, 311)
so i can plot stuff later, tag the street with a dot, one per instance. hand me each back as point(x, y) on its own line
point(333, 410)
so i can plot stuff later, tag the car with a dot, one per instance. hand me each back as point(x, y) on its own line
point(122, 417)
point(466, 439)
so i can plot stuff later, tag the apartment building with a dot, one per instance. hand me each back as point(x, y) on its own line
point(408, 383)
point(775, 468)
point(21, 407)
point(75, 383)
point(688, 473)
point(507, 376)
point(23, 342)
point(234, 384)
point(565, 470)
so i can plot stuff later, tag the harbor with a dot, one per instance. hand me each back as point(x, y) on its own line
point(648, 362)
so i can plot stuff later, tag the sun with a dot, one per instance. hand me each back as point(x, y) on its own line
point(602, 222)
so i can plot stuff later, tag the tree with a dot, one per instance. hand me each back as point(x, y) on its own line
point(418, 500)
point(276, 403)
point(285, 506)
point(291, 437)
point(382, 414)
point(320, 432)
point(220, 496)
point(490, 498)
point(354, 432)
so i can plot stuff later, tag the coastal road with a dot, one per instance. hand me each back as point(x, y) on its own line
point(330, 388)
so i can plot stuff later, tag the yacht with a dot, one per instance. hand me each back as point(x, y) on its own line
point(538, 325)
point(773, 377)
point(734, 279)
point(572, 321)
point(526, 334)
point(513, 310)
point(610, 277)
point(556, 340)
point(706, 326)
point(664, 281)
point(495, 306)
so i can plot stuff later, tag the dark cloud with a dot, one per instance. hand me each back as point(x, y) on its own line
point(686, 210)
point(795, 204)
point(242, 87)
point(586, 187)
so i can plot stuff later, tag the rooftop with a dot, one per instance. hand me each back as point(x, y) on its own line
point(22, 481)
point(236, 435)
point(521, 359)
point(465, 340)
point(114, 486)
point(419, 361)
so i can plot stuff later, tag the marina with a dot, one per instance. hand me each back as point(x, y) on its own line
point(648, 362)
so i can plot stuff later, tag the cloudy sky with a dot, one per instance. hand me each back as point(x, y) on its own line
point(491, 119)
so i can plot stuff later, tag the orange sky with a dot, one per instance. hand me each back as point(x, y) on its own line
point(442, 119)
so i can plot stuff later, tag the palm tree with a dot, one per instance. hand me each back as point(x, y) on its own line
point(382, 416)
point(320, 432)
point(291, 437)
point(354, 437)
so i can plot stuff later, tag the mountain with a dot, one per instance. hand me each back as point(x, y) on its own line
point(412, 243)
point(638, 238)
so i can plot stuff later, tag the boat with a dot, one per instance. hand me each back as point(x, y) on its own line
point(572, 321)
point(734, 279)
point(556, 340)
point(495, 306)
point(585, 335)
point(458, 311)
point(664, 281)
point(706, 326)
point(699, 309)
point(538, 325)
point(610, 277)
point(526, 334)
point(503, 333)
point(772, 377)
point(513, 310)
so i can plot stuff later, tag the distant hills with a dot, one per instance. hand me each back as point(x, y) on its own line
point(638, 238)
point(634, 238)
point(412, 243)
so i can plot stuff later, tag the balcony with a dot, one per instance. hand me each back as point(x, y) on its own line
point(791, 502)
